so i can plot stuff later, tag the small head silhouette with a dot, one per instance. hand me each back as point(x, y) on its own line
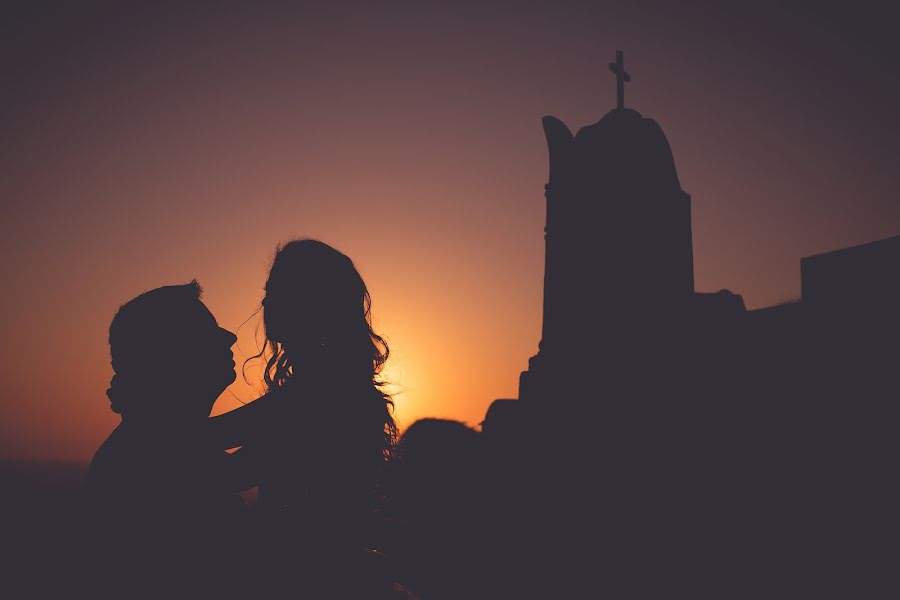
point(438, 466)
point(433, 445)
point(167, 347)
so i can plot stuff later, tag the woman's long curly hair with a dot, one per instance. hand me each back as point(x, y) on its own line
point(318, 327)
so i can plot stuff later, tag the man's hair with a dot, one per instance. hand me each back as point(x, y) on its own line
point(141, 330)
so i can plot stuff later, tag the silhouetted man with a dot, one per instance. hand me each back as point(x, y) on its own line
point(158, 507)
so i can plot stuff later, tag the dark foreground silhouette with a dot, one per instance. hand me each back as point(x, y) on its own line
point(665, 442)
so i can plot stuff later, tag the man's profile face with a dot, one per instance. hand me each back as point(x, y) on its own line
point(203, 361)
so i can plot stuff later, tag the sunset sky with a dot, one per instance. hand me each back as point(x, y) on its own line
point(145, 146)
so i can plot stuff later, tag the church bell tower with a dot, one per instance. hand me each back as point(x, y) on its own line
point(618, 272)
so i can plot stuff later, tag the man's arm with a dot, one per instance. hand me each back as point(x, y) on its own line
point(242, 469)
point(241, 425)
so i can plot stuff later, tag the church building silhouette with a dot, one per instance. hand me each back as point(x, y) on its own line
point(619, 281)
point(672, 438)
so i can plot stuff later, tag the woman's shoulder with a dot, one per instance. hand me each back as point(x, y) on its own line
point(321, 406)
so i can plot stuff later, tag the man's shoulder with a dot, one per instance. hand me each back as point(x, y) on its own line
point(108, 451)
point(119, 458)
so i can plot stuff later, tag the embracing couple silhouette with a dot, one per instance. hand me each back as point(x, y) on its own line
point(162, 511)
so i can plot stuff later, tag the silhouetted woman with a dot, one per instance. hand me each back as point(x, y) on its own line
point(320, 436)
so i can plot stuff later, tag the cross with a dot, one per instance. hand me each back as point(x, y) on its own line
point(618, 68)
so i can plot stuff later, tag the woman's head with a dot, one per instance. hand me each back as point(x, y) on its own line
point(166, 345)
point(317, 313)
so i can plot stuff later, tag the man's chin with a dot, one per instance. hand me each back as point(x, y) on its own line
point(226, 381)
